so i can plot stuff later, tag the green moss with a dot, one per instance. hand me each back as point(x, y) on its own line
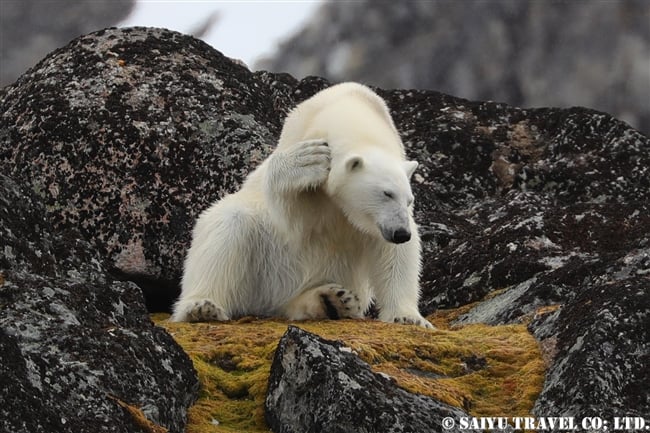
point(487, 370)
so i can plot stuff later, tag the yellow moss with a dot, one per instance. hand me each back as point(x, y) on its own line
point(233, 361)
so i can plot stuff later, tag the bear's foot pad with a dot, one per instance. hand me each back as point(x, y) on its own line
point(340, 303)
point(410, 320)
point(329, 301)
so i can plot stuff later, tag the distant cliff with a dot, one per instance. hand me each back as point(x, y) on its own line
point(29, 29)
point(526, 53)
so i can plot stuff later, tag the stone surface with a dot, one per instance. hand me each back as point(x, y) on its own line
point(74, 350)
point(602, 350)
point(77, 349)
point(111, 147)
point(319, 386)
point(525, 53)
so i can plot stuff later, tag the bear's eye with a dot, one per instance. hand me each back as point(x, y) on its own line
point(389, 194)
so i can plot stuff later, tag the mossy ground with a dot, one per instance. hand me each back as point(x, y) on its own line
point(486, 370)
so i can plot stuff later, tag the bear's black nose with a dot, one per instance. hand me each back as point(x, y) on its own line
point(400, 236)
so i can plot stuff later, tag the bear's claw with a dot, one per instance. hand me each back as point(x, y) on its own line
point(339, 302)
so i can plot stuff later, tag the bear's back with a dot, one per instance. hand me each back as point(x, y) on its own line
point(347, 108)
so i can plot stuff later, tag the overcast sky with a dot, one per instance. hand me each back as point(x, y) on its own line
point(245, 30)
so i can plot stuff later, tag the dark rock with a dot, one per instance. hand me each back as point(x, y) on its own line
point(473, 363)
point(528, 54)
point(92, 148)
point(29, 244)
point(319, 386)
point(76, 349)
point(602, 346)
point(73, 343)
point(126, 135)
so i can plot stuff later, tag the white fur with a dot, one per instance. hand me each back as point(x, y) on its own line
point(309, 227)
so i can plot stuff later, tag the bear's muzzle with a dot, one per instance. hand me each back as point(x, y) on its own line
point(397, 236)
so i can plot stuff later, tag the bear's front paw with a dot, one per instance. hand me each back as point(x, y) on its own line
point(310, 161)
point(411, 320)
point(406, 318)
point(204, 310)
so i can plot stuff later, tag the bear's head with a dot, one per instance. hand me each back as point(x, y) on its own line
point(373, 191)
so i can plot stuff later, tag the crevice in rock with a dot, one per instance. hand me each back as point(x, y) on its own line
point(159, 293)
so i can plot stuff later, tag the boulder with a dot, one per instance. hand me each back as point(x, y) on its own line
point(601, 350)
point(127, 134)
point(320, 386)
point(78, 351)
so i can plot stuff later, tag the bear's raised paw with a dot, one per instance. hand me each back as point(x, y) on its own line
point(305, 165)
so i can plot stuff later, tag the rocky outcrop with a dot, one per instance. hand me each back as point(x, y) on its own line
point(316, 385)
point(78, 351)
point(129, 152)
point(523, 53)
point(111, 146)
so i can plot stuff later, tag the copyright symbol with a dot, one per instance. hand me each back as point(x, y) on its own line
point(448, 423)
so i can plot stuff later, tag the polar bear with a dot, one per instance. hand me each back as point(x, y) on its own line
point(320, 228)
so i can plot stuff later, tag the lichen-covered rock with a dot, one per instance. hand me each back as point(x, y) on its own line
point(77, 350)
point(602, 350)
point(75, 353)
point(319, 386)
point(555, 211)
point(29, 245)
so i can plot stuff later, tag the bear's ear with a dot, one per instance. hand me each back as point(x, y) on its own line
point(354, 162)
point(409, 168)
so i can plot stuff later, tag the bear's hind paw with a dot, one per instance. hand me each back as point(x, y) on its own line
point(339, 302)
point(329, 301)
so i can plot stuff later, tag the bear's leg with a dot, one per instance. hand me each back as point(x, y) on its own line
point(329, 301)
point(218, 278)
point(395, 282)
